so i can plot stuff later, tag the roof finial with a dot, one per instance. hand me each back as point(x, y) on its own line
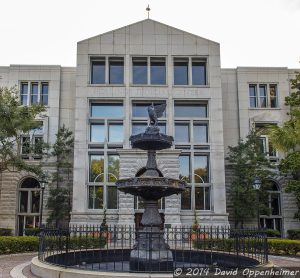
point(148, 10)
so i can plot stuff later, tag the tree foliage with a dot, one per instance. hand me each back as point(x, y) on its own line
point(16, 121)
point(248, 163)
point(59, 201)
point(287, 139)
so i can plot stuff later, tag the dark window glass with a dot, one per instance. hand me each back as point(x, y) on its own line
point(199, 198)
point(263, 145)
point(23, 201)
point(273, 96)
point(198, 72)
point(182, 133)
point(138, 203)
point(158, 71)
point(201, 168)
point(252, 96)
point(141, 109)
point(97, 133)
point(186, 199)
point(190, 110)
point(263, 96)
point(207, 198)
point(115, 133)
point(96, 168)
point(200, 133)
point(30, 183)
point(116, 71)
point(184, 170)
point(113, 168)
point(161, 203)
point(107, 110)
point(24, 93)
point(35, 201)
point(139, 70)
point(98, 72)
point(44, 93)
point(34, 93)
point(38, 145)
point(25, 145)
point(112, 197)
point(275, 204)
point(181, 71)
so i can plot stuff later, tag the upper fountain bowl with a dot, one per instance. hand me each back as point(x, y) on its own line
point(151, 139)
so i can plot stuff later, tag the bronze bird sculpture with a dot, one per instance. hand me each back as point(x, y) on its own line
point(155, 112)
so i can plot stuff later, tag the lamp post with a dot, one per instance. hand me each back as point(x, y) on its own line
point(43, 183)
point(256, 186)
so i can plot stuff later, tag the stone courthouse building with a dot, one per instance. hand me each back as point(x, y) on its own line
point(103, 101)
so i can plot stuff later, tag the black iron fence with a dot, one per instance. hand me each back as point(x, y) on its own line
point(108, 248)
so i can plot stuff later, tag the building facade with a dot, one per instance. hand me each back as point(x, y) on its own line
point(103, 101)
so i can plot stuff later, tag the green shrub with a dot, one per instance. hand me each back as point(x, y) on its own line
point(5, 232)
point(275, 246)
point(272, 233)
point(32, 231)
point(294, 234)
point(18, 244)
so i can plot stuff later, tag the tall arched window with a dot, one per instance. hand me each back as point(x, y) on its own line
point(274, 219)
point(29, 199)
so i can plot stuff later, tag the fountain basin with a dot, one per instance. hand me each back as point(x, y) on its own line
point(151, 188)
point(151, 141)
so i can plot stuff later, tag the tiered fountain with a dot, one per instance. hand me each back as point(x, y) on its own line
point(151, 252)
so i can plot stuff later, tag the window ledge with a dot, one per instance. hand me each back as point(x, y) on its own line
point(105, 85)
point(190, 86)
point(149, 85)
point(266, 108)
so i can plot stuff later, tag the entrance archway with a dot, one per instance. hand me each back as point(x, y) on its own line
point(29, 201)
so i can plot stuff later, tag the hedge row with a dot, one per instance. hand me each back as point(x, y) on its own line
point(276, 246)
point(18, 244)
point(294, 234)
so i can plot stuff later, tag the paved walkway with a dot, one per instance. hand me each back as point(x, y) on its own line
point(19, 263)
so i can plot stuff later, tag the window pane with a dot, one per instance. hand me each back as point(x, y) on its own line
point(198, 72)
point(34, 93)
point(141, 109)
point(201, 168)
point(98, 72)
point(184, 166)
point(98, 197)
point(115, 133)
point(113, 167)
point(23, 201)
point(24, 93)
point(182, 133)
point(252, 96)
point(207, 198)
point(263, 144)
point(273, 96)
point(139, 70)
point(200, 133)
point(97, 133)
point(35, 201)
point(275, 204)
point(96, 168)
point(138, 203)
point(186, 199)
point(158, 71)
point(138, 128)
point(263, 95)
point(44, 94)
point(190, 110)
point(107, 110)
point(162, 128)
point(199, 198)
point(181, 71)
point(112, 197)
point(116, 70)
point(38, 145)
point(25, 145)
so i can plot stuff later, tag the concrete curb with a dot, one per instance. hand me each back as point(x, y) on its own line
point(16, 272)
point(44, 270)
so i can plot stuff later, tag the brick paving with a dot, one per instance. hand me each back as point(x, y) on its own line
point(8, 262)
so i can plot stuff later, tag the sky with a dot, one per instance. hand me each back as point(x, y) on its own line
point(250, 32)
